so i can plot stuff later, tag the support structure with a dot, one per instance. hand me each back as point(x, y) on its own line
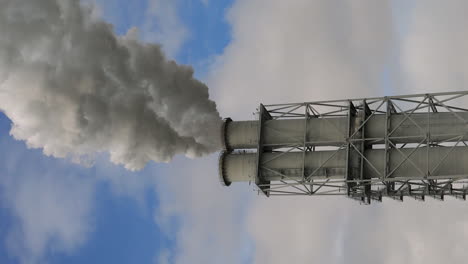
point(366, 149)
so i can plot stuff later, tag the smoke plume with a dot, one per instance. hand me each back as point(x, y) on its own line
point(74, 88)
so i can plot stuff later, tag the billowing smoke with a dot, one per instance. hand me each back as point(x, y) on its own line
point(74, 88)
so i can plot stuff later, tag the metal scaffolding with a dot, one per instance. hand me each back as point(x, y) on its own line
point(394, 146)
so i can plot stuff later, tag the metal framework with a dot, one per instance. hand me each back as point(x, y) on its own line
point(383, 182)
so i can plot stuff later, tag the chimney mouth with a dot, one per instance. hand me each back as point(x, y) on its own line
point(221, 170)
point(224, 139)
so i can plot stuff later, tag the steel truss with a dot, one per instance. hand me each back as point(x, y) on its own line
point(355, 183)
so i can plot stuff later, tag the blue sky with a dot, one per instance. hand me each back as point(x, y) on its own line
point(122, 227)
point(208, 30)
point(248, 52)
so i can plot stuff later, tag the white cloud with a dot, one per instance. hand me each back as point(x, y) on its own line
point(212, 227)
point(163, 25)
point(434, 56)
point(52, 204)
point(285, 51)
point(52, 211)
point(163, 257)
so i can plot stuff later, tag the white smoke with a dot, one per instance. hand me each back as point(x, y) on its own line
point(74, 88)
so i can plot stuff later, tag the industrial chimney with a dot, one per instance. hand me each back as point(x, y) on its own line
point(368, 148)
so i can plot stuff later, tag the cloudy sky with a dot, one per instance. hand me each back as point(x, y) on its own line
point(53, 210)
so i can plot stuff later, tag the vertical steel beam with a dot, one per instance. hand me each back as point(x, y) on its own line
point(263, 116)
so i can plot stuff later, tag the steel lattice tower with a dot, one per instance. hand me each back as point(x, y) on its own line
point(368, 148)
